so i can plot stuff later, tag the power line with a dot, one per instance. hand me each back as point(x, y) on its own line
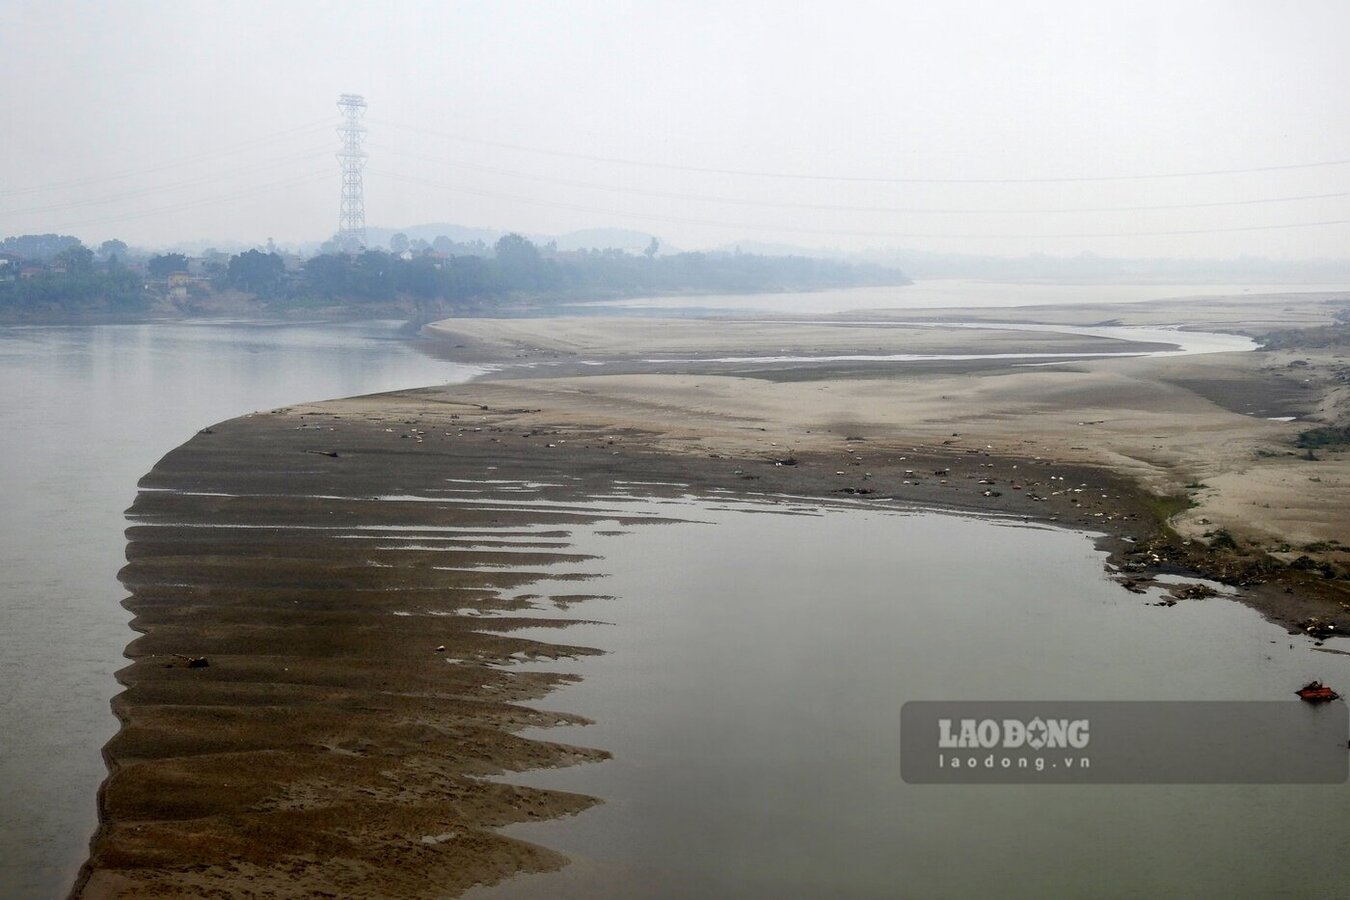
point(842, 233)
point(800, 176)
point(674, 195)
point(204, 201)
point(182, 161)
point(162, 187)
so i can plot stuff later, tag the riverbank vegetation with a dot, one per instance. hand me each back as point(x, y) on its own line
point(61, 277)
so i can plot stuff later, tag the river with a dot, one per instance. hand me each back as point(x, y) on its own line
point(90, 409)
point(755, 669)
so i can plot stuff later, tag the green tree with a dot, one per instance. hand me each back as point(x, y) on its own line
point(521, 267)
point(112, 249)
point(329, 275)
point(398, 243)
point(516, 252)
point(258, 273)
point(77, 259)
point(166, 264)
point(42, 247)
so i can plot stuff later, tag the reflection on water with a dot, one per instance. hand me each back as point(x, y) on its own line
point(758, 663)
point(751, 692)
point(87, 411)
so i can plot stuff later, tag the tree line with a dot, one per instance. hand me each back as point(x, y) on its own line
point(514, 270)
point(518, 269)
point(64, 275)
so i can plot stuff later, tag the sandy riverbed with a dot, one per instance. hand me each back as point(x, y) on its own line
point(1164, 422)
point(326, 749)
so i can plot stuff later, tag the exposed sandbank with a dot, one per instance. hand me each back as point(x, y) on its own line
point(1165, 423)
point(330, 747)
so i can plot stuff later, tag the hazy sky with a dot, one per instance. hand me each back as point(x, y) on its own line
point(164, 121)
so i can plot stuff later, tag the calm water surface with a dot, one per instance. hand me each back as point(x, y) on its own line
point(757, 664)
point(757, 669)
point(87, 411)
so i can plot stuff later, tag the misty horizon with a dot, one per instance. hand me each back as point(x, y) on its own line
point(1139, 131)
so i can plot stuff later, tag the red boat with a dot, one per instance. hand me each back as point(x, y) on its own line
point(1317, 692)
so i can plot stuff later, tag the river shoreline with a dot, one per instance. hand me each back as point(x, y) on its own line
point(282, 683)
point(339, 711)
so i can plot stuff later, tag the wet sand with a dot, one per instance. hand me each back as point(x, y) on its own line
point(329, 745)
point(333, 747)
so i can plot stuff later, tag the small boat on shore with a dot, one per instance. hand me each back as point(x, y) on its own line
point(1317, 692)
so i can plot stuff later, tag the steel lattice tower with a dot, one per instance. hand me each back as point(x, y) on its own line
point(351, 235)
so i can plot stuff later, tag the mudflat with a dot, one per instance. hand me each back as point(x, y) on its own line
point(320, 680)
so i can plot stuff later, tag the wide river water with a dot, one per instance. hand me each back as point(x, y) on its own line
point(89, 409)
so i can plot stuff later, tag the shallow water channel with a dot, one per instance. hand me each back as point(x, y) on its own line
point(87, 410)
point(758, 654)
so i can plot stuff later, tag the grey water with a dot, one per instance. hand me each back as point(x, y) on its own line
point(750, 693)
point(88, 410)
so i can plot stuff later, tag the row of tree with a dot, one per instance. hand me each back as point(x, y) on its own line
point(514, 269)
point(517, 268)
point(73, 279)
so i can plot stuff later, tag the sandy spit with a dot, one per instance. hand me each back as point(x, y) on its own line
point(332, 748)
